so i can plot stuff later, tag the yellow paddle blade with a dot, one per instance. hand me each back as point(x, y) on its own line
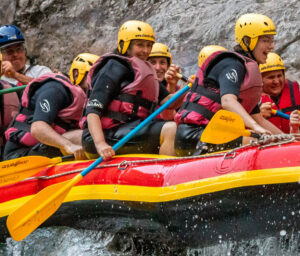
point(39, 208)
point(225, 126)
point(14, 170)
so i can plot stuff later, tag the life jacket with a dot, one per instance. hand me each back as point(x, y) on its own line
point(136, 100)
point(288, 102)
point(67, 118)
point(204, 100)
point(9, 105)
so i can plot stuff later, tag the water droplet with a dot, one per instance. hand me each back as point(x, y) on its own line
point(282, 232)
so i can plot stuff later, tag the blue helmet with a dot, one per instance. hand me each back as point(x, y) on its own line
point(10, 34)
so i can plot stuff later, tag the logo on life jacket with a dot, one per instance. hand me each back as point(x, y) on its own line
point(95, 103)
point(232, 76)
point(45, 105)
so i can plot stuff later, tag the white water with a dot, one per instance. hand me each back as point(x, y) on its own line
point(65, 241)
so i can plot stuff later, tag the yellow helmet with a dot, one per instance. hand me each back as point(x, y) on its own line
point(253, 25)
point(134, 29)
point(83, 63)
point(274, 62)
point(161, 50)
point(207, 51)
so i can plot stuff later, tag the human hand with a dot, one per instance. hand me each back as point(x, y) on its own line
point(74, 149)
point(260, 130)
point(105, 150)
point(294, 121)
point(266, 109)
point(8, 69)
point(171, 77)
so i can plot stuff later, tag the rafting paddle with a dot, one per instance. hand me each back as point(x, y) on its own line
point(13, 89)
point(38, 209)
point(225, 126)
point(280, 114)
point(14, 170)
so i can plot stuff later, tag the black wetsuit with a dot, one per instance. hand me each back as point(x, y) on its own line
point(47, 101)
point(187, 140)
point(106, 87)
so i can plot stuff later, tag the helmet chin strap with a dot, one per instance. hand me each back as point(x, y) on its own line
point(250, 52)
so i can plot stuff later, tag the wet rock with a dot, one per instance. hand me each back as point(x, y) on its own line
point(56, 31)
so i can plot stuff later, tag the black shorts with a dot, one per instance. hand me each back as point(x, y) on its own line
point(13, 150)
point(187, 141)
point(147, 140)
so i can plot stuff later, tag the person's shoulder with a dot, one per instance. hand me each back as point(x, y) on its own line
point(37, 71)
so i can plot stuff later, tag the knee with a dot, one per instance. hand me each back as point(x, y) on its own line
point(169, 130)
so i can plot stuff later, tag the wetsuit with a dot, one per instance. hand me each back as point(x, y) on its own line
point(107, 85)
point(47, 101)
point(187, 140)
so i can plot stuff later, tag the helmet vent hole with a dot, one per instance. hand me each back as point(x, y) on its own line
point(139, 29)
point(266, 23)
point(90, 63)
point(241, 25)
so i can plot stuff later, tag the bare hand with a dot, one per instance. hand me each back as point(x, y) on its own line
point(74, 149)
point(8, 69)
point(294, 121)
point(105, 150)
point(266, 109)
point(171, 77)
point(260, 130)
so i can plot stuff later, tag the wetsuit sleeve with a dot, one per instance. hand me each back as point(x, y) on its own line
point(163, 92)
point(256, 110)
point(49, 100)
point(107, 85)
point(229, 74)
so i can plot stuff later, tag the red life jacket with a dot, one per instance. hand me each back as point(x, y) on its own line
point(137, 100)
point(67, 118)
point(9, 105)
point(289, 101)
point(203, 100)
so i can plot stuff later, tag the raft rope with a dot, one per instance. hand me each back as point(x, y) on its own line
point(264, 142)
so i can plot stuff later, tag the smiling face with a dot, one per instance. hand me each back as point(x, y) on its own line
point(264, 45)
point(161, 66)
point(140, 48)
point(273, 82)
point(16, 54)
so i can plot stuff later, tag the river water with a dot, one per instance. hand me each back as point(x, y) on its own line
point(64, 241)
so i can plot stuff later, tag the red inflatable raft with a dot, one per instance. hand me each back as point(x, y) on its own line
point(245, 192)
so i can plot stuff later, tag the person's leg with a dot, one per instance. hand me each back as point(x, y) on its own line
point(74, 136)
point(187, 139)
point(167, 139)
point(13, 150)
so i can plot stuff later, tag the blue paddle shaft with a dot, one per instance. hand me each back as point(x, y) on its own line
point(283, 115)
point(126, 138)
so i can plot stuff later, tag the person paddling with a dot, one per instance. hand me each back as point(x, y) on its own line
point(15, 69)
point(124, 91)
point(228, 80)
point(161, 59)
point(80, 67)
point(9, 106)
point(48, 121)
point(279, 93)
